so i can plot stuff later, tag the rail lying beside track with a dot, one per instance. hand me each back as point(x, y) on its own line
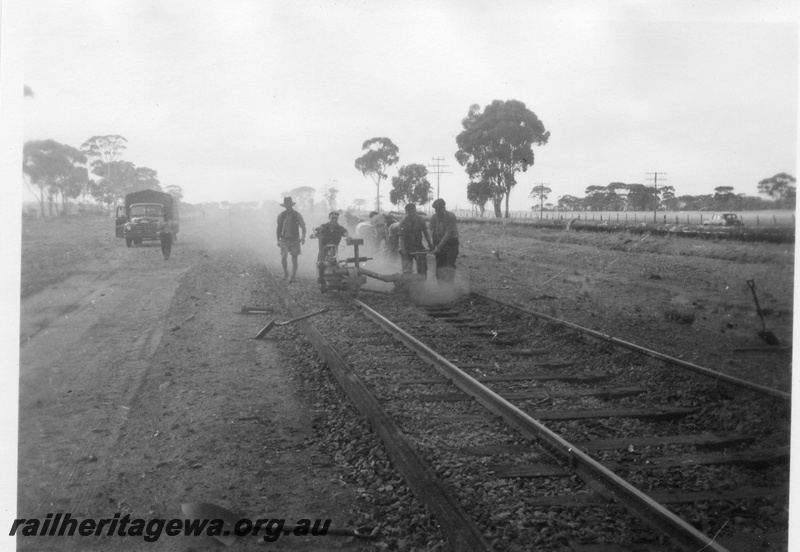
point(718, 376)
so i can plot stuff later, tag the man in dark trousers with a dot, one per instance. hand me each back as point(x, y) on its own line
point(444, 232)
point(330, 233)
point(291, 235)
point(412, 230)
point(166, 234)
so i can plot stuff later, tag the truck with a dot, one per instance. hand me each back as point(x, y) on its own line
point(138, 219)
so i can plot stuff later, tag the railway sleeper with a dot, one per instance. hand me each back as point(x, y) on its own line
point(444, 314)
point(568, 415)
point(593, 498)
point(748, 458)
point(544, 376)
point(707, 441)
point(604, 393)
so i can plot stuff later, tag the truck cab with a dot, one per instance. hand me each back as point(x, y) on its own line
point(138, 219)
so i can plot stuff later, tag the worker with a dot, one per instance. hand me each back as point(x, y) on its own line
point(330, 233)
point(291, 234)
point(393, 241)
point(366, 232)
point(350, 221)
point(444, 233)
point(412, 230)
point(378, 221)
point(166, 234)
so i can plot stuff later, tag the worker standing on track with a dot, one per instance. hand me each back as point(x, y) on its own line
point(290, 238)
point(330, 233)
point(444, 232)
point(412, 230)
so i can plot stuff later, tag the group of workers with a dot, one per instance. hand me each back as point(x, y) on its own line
point(403, 238)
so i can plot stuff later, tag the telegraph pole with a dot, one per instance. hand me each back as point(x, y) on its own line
point(654, 178)
point(439, 171)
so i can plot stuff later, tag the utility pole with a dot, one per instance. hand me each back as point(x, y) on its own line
point(439, 171)
point(655, 189)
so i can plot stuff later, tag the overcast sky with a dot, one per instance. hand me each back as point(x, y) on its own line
point(245, 100)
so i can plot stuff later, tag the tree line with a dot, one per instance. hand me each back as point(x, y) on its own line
point(618, 196)
point(496, 144)
point(56, 173)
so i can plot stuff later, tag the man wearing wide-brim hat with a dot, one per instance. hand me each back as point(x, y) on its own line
point(291, 235)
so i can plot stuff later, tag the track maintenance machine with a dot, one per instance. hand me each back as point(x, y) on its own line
point(349, 274)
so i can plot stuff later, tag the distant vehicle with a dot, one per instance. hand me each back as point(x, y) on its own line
point(724, 219)
point(138, 219)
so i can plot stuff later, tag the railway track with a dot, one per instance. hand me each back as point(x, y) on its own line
point(520, 431)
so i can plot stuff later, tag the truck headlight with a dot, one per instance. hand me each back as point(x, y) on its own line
point(128, 227)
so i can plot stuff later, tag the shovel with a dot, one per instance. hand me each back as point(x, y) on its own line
point(764, 334)
point(271, 324)
point(208, 511)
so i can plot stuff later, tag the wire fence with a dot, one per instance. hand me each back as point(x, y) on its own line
point(780, 218)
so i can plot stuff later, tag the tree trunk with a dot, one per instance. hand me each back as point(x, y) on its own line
point(41, 202)
point(498, 207)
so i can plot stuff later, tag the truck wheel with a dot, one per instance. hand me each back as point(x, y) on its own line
point(137, 242)
point(128, 242)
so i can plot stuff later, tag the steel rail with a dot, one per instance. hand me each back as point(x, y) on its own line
point(594, 473)
point(460, 532)
point(719, 376)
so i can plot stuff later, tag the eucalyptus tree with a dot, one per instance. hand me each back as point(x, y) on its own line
point(596, 198)
point(103, 151)
point(570, 203)
point(540, 192)
point(330, 193)
point(479, 192)
point(52, 168)
point(127, 178)
point(175, 191)
point(782, 187)
point(497, 143)
point(381, 153)
point(411, 185)
point(304, 196)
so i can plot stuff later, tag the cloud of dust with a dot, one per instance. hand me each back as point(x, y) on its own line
point(254, 230)
point(433, 293)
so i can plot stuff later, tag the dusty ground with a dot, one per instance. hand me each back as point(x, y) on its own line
point(686, 298)
point(141, 386)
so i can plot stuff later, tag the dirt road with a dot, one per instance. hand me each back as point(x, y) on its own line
point(141, 387)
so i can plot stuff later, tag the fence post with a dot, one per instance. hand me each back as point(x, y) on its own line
point(775, 220)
